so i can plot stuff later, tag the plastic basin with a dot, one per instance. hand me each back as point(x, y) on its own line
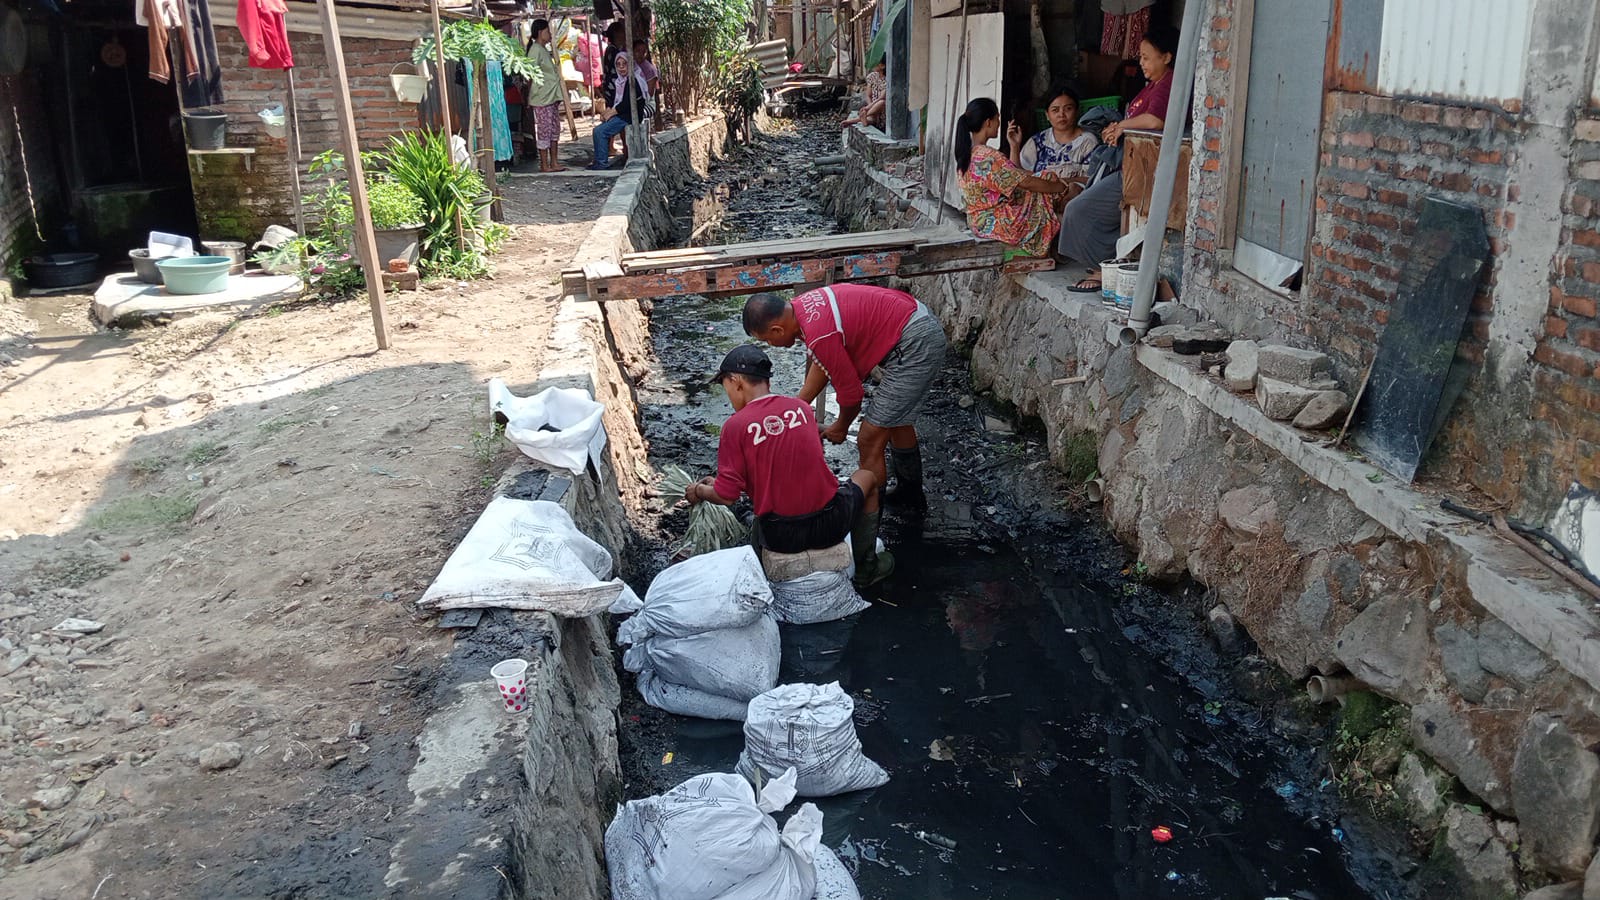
point(196, 274)
point(144, 266)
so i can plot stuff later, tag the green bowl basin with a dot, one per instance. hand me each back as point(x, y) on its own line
point(196, 274)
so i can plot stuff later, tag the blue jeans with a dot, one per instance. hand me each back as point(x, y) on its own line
point(603, 133)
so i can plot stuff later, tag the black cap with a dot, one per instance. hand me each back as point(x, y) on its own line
point(747, 359)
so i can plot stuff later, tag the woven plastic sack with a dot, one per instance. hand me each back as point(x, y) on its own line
point(814, 598)
point(713, 838)
point(833, 879)
point(560, 427)
point(736, 663)
point(724, 589)
point(810, 729)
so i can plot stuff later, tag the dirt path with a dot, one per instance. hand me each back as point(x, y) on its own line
point(250, 506)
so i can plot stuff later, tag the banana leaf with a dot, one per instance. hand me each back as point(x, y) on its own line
point(880, 41)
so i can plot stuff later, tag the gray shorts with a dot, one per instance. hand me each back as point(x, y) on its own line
point(908, 372)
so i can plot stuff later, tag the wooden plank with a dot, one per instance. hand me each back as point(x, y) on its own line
point(747, 279)
point(867, 240)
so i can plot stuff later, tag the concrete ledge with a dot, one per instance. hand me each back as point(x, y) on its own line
point(124, 300)
point(1510, 585)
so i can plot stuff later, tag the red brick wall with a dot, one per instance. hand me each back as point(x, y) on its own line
point(237, 198)
point(1524, 442)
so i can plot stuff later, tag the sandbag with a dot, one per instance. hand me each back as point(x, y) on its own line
point(686, 701)
point(561, 427)
point(810, 729)
point(818, 597)
point(713, 838)
point(833, 879)
point(724, 589)
point(736, 663)
point(527, 554)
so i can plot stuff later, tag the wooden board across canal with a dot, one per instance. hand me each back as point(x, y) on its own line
point(776, 265)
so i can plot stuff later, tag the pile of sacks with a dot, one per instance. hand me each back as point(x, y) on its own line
point(814, 586)
point(713, 838)
point(705, 643)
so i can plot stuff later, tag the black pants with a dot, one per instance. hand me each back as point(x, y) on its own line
point(816, 531)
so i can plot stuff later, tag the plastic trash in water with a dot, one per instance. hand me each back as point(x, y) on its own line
point(1174, 876)
point(937, 840)
point(1161, 833)
point(1287, 790)
point(1338, 834)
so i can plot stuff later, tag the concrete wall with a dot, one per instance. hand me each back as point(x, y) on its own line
point(1328, 570)
point(1530, 344)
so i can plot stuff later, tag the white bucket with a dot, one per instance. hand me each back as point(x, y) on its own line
point(1127, 282)
point(409, 87)
point(1109, 269)
point(277, 124)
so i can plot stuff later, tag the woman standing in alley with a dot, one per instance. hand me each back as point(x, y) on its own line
point(1003, 202)
point(544, 95)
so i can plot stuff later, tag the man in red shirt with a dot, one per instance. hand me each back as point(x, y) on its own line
point(849, 330)
point(769, 450)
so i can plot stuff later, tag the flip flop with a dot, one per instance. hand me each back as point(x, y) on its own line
point(1086, 286)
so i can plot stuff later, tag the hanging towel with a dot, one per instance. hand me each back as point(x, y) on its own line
point(499, 122)
point(264, 26)
point(160, 17)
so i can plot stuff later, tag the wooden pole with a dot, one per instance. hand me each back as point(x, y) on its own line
point(485, 135)
point(442, 81)
point(366, 242)
point(293, 150)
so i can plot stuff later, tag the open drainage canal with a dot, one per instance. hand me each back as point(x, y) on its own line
point(1039, 712)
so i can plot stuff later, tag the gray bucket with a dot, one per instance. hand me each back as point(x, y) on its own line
point(233, 250)
point(205, 129)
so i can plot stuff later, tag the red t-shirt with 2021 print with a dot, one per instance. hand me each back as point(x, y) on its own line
point(772, 451)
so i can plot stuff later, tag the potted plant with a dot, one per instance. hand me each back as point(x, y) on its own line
point(397, 219)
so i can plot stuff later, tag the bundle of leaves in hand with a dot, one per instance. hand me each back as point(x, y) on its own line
point(711, 525)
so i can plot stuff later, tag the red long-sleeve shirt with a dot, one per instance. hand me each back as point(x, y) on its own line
point(852, 343)
point(263, 25)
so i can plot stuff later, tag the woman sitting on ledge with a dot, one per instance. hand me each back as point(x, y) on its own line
point(1092, 221)
point(1003, 202)
point(877, 93)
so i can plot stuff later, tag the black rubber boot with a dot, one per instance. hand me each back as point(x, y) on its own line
point(871, 565)
point(905, 477)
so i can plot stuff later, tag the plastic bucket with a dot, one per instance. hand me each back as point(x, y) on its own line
point(233, 250)
point(1109, 269)
point(144, 266)
point(60, 270)
point(397, 243)
point(1127, 281)
point(410, 87)
point(205, 129)
point(196, 274)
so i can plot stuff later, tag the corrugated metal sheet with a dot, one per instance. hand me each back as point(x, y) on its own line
point(1456, 49)
point(774, 59)
point(356, 22)
point(1283, 113)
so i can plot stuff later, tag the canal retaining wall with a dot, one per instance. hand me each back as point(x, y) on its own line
point(1488, 666)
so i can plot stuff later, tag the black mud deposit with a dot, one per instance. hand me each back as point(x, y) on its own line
point(1039, 710)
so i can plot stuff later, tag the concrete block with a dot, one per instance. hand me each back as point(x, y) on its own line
point(1324, 410)
point(1163, 335)
point(1243, 364)
point(1281, 400)
point(1294, 365)
point(1555, 784)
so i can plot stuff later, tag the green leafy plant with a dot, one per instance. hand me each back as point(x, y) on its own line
point(739, 91)
point(695, 39)
point(711, 525)
point(393, 205)
point(449, 193)
point(477, 42)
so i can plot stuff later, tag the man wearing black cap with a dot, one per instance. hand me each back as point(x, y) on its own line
point(769, 449)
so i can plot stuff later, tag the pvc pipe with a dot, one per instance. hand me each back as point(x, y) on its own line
point(1166, 177)
point(1330, 688)
point(1096, 489)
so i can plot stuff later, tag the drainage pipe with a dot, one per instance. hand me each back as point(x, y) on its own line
point(1095, 489)
point(1155, 233)
point(1330, 688)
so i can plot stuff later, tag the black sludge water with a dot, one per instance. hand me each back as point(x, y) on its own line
point(1039, 711)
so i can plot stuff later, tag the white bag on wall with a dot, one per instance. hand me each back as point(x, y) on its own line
point(560, 427)
point(527, 554)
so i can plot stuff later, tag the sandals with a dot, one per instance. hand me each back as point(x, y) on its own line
point(1086, 286)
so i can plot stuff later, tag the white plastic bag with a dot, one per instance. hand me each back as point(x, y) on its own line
point(818, 597)
point(722, 589)
point(736, 663)
point(809, 729)
point(560, 427)
point(713, 838)
point(833, 879)
point(526, 554)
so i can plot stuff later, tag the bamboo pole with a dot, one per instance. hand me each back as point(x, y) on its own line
point(293, 150)
point(480, 74)
point(366, 242)
point(441, 81)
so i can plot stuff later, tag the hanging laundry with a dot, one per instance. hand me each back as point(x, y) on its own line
point(1125, 25)
point(265, 28)
point(160, 17)
point(499, 119)
point(205, 87)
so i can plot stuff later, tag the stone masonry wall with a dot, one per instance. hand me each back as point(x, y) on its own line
point(238, 195)
point(1379, 158)
point(16, 216)
point(1499, 778)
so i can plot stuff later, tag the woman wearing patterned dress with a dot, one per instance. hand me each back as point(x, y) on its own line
point(1004, 203)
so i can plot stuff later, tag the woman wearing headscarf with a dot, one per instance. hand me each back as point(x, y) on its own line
point(622, 109)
